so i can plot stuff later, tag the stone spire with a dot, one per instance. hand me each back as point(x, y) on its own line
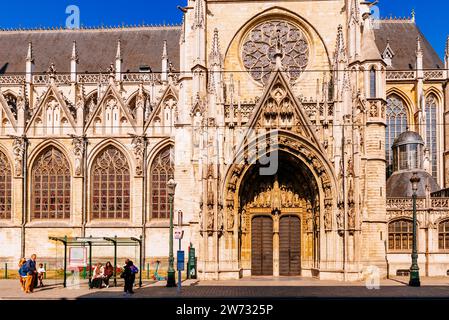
point(73, 63)
point(29, 57)
point(198, 21)
point(419, 50)
point(164, 75)
point(419, 58)
point(29, 63)
point(215, 55)
point(355, 12)
point(118, 61)
point(340, 50)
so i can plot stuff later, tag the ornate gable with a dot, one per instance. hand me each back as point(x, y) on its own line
point(111, 115)
point(163, 117)
point(52, 116)
point(279, 109)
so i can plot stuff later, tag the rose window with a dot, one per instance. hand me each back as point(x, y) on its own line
point(271, 37)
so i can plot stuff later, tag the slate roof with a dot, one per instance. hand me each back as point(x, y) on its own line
point(97, 48)
point(402, 35)
point(399, 185)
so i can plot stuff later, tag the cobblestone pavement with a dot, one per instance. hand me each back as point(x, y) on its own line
point(244, 288)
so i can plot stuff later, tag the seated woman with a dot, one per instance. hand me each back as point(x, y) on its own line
point(108, 272)
point(97, 277)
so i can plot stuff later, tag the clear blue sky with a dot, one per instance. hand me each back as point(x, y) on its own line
point(431, 15)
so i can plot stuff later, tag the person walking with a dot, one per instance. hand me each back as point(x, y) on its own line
point(31, 274)
point(23, 273)
point(108, 272)
point(129, 276)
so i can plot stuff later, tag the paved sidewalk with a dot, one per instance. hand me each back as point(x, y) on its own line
point(244, 288)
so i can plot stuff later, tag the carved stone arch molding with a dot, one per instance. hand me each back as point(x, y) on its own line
point(302, 150)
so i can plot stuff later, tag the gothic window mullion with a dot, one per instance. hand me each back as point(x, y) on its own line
point(112, 190)
point(162, 170)
point(51, 179)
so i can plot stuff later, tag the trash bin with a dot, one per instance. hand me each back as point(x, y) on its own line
point(191, 264)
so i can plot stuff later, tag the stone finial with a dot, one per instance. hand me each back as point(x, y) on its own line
point(419, 49)
point(199, 15)
point(340, 50)
point(118, 55)
point(355, 11)
point(74, 56)
point(29, 57)
point(413, 15)
point(164, 50)
point(215, 55)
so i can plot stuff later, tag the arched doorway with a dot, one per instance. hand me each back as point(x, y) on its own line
point(280, 215)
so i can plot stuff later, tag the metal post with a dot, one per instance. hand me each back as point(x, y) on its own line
point(148, 271)
point(6, 270)
point(179, 271)
point(115, 261)
point(65, 261)
point(414, 269)
point(90, 264)
point(171, 281)
point(45, 273)
point(140, 262)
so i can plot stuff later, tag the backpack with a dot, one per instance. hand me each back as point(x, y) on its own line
point(23, 271)
point(134, 269)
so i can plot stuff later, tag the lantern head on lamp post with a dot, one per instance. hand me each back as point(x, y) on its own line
point(414, 269)
point(171, 280)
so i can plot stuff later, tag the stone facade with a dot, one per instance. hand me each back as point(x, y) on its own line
point(240, 86)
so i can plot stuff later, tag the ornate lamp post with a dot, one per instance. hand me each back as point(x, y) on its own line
point(414, 269)
point(171, 280)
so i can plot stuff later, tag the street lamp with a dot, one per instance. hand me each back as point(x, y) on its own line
point(171, 281)
point(414, 269)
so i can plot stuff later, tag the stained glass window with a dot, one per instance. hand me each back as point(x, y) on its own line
point(431, 131)
point(50, 186)
point(262, 43)
point(372, 83)
point(443, 235)
point(400, 235)
point(162, 170)
point(396, 124)
point(5, 187)
point(110, 193)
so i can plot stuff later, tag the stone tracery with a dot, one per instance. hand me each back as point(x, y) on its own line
point(259, 48)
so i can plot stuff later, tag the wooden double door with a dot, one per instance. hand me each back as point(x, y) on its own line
point(288, 251)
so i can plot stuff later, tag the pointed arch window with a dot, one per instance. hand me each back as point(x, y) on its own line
point(162, 170)
point(50, 185)
point(396, 124)
point(5, 187)
point(372, 83)
point(431, 131)
point(110, 185)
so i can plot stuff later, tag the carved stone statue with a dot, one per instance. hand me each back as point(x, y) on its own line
point(328, 217)
point(78, 150)
point(138, 148)
point(18, 149)
point(210, 186)
point(210, 218)
point(230, 218)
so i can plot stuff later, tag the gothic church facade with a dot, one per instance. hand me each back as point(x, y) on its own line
point(276, 119)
